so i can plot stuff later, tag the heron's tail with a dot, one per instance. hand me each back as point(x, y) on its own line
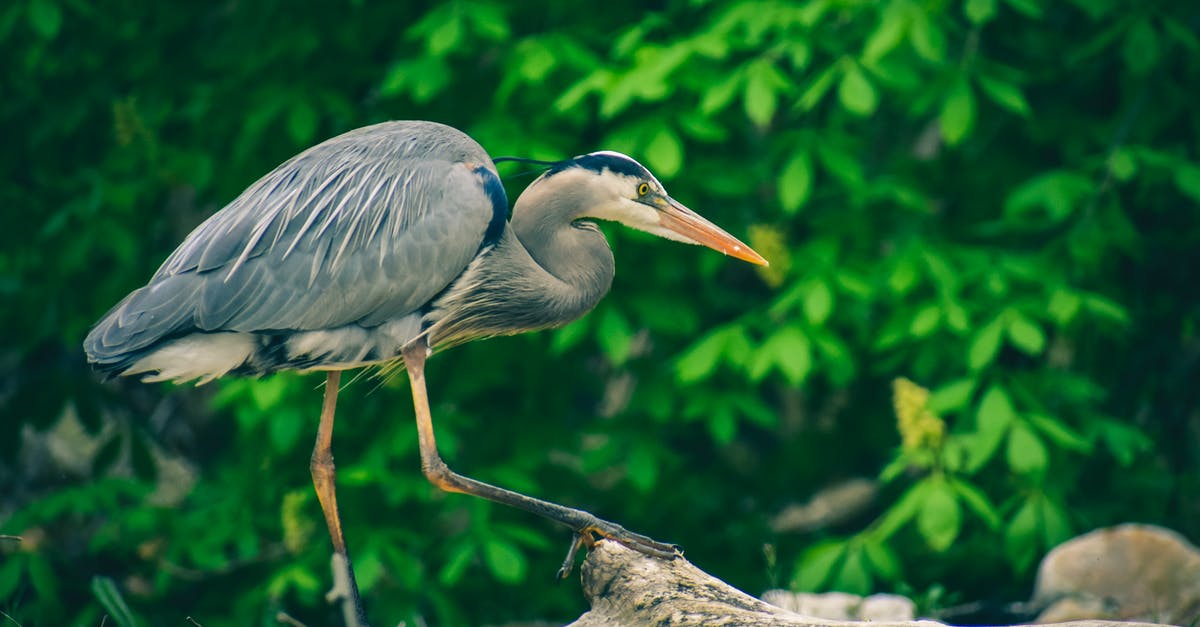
point(135, 327)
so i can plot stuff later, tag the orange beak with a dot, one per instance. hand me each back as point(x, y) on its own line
point(690, 225)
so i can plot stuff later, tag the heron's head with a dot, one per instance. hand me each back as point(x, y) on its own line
point(612, 186)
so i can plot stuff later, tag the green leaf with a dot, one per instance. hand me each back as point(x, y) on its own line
point(883, 560)
point(641, 466)
point(759, 98)
point(992, 420)
point(925, 321)
point(1122, 165)
point(815, 92)
point(795, 182)
point(1021, 535)
point(615, 336)
point(1057, 192)
point(722, 425)
point(42, 576)
point(505, 561)
point(985, 345)
point(952, 396)
point(940, 517)
point(760, 365)
point(569, 336)
point(445, 36)
point(818, 303)
point(455, 565)
point(902, 511)
point(719, 95)
point(1141, 49)
point(1026, 335)
point(302, 122)
point(574, 95)
point(106, 593)
point(1124, 441)
point(956, 317)
point(977, 502)
point(980, 11)
point(489, 21)
point(1063, 306)
point(1182, 33)
point(664, 152)
point(11, 570)
point(856, 93)
point(45, 17)
point(701, 360)
point(1059, 433)
point(1028, 8)
point(887, 35)
point(927, 39)
point(903, 277)
point(853, 577)
point(1187, 179)
point(958, 113)
point(269, 393)
point(1004, 94)
point(841, 164)
point(1056, 528)
point(816, 564)
point(1106, 308)
point(996, 411)
point(1026, 453)
point(791, 351)
point(839, 364)
point(285, 429)
point(368, 568)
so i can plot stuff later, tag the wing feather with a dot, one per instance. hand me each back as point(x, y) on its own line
point(363, 228)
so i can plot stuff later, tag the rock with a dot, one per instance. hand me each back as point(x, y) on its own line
point(843, 606)
point(832, 505)
point(1129, 572)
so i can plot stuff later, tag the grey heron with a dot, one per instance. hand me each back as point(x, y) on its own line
point(377, 247)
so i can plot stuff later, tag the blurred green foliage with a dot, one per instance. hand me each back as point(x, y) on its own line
point(995, 200)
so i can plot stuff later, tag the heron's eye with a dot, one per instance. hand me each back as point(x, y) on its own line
point(643, 189)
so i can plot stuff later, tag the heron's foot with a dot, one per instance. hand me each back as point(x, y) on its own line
point(587, 536)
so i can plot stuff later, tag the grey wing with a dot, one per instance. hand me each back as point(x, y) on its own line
point(363, 228)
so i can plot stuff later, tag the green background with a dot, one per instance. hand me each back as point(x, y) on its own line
point(996, 199)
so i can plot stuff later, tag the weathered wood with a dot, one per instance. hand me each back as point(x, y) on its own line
point(628, 589)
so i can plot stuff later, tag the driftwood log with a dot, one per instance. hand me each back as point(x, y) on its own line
point(628, 589)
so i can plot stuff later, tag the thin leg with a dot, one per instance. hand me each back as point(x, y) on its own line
point(323, 475)
point(585, 525)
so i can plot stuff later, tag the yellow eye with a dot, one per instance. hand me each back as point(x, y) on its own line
point(643, 189)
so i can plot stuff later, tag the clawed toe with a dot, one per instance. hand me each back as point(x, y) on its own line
point(611, 531)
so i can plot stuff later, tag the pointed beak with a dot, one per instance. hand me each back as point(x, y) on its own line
point(692, 227)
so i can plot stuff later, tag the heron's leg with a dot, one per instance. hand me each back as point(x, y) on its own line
point(585, 525)
point(323, 475)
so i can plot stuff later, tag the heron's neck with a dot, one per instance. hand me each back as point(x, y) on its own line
point(575, 253)
point(542, 273)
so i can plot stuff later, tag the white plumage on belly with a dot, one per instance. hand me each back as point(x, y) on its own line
point(202, 356)
point(207, 356)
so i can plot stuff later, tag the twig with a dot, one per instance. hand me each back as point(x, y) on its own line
point(5, 615)
point(283, 617)
point(342, 591)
